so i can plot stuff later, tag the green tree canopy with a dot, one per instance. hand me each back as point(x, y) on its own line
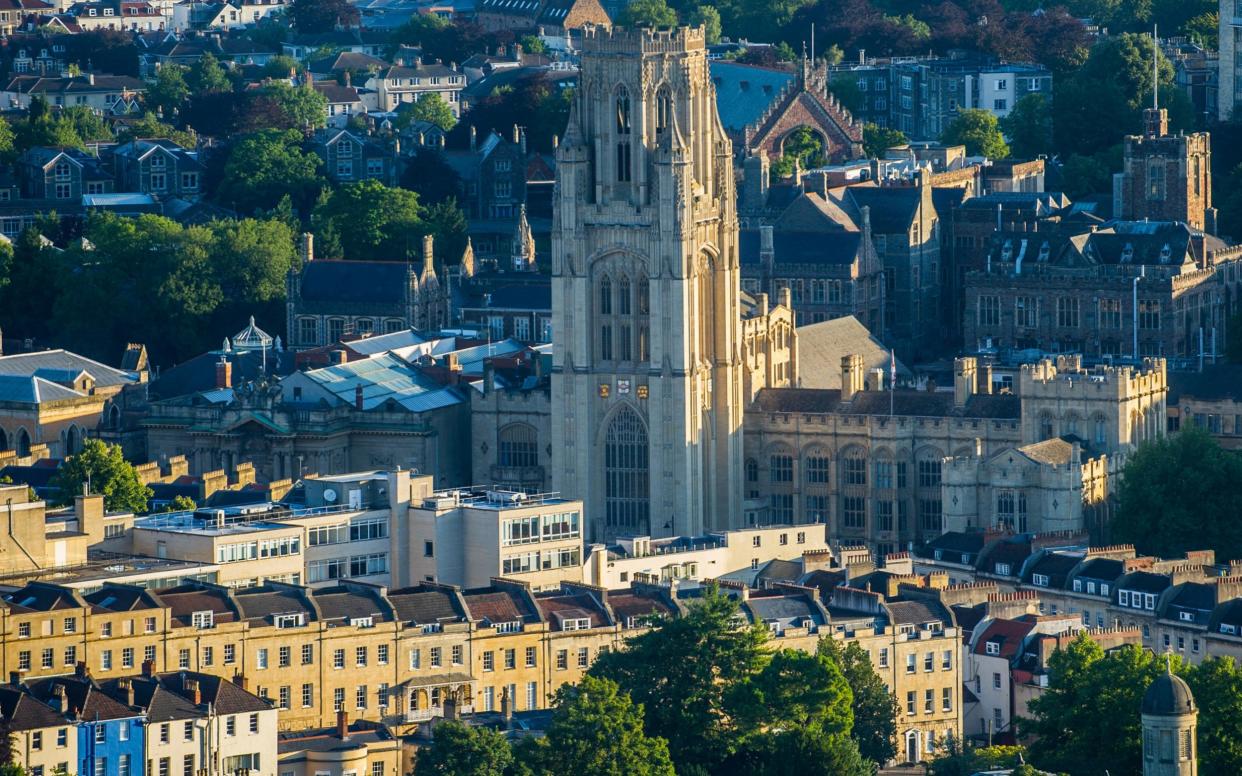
point(167, 91)
point(265, 166)
point(206, 75)
point(1153, 511)
point(979, 131)
point(648, 13)
point(794, 690)
point(874, 708)
point(709, 18)
point(457, 749)
point(148, 125)
point(1029, 127)
point(877, 140)
point(107, 472)
point(302, 106)
point(1217, 687)
point(957, 760)
point(1087, 721)
point(372, 221)
point(682, 670)
point(1104, 99)
point(430, 107)
point(597, 730)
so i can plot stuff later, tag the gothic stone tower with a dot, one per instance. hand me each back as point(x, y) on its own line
point(646, 375)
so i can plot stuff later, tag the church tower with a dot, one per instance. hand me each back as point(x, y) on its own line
point(646, 375)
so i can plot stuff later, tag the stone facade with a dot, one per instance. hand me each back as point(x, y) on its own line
point(1070, 288)
point(1166, 177)
point(330, 299)
point(646, 383)
point(887, 469)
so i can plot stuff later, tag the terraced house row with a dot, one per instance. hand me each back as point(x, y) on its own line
point(397, 656)
point(1191, 605)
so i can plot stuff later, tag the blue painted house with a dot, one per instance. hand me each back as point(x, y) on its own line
point(111, 734)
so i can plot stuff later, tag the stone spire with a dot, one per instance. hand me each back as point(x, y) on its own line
point(523, 244)
point(467, 260)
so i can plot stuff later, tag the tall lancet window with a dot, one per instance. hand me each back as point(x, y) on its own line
point(626, 477)
point(664, 109)
point(623, 136)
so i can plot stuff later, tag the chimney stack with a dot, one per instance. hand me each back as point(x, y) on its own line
point(194, 691)
point(224, 373)
point(474, 138)
point(358, 397)
point(58, 698)
point(342, 725)
point(148, 668)
point(306, 247)
point(240, 680)
point(127, 686)
point(80, 671)
point(506, 708)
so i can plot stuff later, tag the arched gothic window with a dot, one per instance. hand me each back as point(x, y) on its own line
point(664, 109)
point(626, 474)
point(519, 446)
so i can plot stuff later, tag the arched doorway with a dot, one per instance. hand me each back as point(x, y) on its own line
point(73, 440)
point(23, 443)
point(912, 746)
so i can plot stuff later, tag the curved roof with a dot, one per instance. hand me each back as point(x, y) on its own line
point(1168, 695)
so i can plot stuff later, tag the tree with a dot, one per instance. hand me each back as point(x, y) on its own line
point(266, 166)
point(372, 221)
point(87, 125)
point(533, 44)
point(280, 66)
point(1103, 100)
point(681, 671)
point(1029, 127)
point(875, 710)
point(181, 504)
point(709, 18)
point(597, 730)
point(845, 88)
point(301, 106)
point(1152, 509)
point(167, 91)
point(1217, 687)
point(959, 760)
point(206, 75)
point(1087, 721)
point(979, 131)
point(877, 140)
point(105, 470)
point(457, 749)
point(430, 107)
point(805, 147)
point(794, 690)
point(310, 16)
point(648, 13)
point(148, 125)
point(800, 751)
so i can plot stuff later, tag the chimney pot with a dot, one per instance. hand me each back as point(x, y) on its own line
point(342, 725)
point(224, 373)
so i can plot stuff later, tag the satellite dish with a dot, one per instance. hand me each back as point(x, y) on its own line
point(329, 495)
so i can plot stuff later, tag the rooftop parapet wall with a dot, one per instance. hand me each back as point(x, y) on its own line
point(625, 40)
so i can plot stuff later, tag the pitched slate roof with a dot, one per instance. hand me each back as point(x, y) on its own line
point(185, 600)
point(904, 402)
point(158, 703)
point(225, 696)
point(744, 92)
point(260, 603)
point(423, 606)
point(347, 602)
point(1105, 569)
point(626, 604)
point(1054, 452)
point(84, 695)
point(342, 282)
point(892, 207)
point(22, 711)
point(919, 611)
point(821, 346)
point(1215, 382)
point(27, 364)
point(498, 606)
point(815, 248)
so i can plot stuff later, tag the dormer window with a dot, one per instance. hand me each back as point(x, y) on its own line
point(1002, 569)
point(1103, 588)
point(513, 626)
point(576, 623)
point(1166, 254)
point(1123, 598)
point(1127, 253)
point(203, 620)
point(1077, 585)
point(362, 622)
point(1186, 616)
point(296, 620)
point(1040, 580)
point(1229, 629)
point(992, 647)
